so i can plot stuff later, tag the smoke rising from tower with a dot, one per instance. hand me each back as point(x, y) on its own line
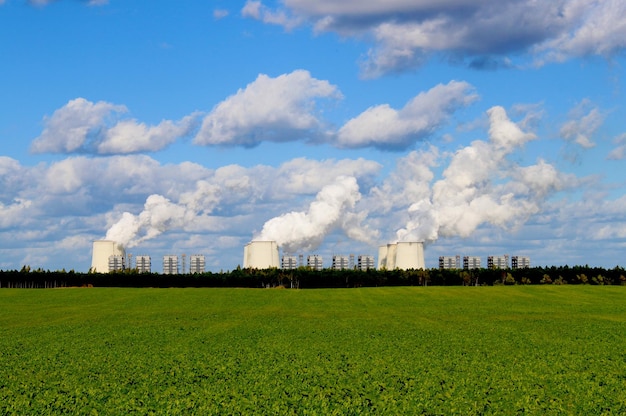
point(332, 209)
point(481, 185)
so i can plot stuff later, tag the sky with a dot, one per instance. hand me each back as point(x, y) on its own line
point(482, 128)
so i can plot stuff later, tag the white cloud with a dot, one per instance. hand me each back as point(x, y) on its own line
point(332, 208)
point(480, 185)
point(256, 10)
point(619, 152)
point(220, 13)
point(268, 109)
point(585, 119)
point(382, 126)
point(130, 136)
point(407, 33)
point(82, 126)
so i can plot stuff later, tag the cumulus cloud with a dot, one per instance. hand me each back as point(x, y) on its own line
point(268, 109)
point(407, 33)
point(384, 127)
point(585, 119)
point(82, 126)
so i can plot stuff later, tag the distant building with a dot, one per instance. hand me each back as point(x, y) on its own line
point(143, 264)
point(315, 262)
point(365, 262)
point(340, 262)
point(404, 255)
point(471, 262)
point(197, 263)
point(260, 255)
point(450, 262)
point(116, 263)
point(520, 262)
point(288, 263)
point(170, 264)
point(498, 262)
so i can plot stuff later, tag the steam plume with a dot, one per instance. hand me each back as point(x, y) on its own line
point(333, 208)
point(480, 185)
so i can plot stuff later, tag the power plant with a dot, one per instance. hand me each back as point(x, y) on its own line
point(260, 255)
point(109, 256)
point(107, 253)
point(404, 255)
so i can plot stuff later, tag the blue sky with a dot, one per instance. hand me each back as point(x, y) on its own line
point(483, 128)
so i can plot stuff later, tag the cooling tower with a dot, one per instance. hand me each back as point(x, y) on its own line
point(404, 255)
point(102, 250)
point(260, 255)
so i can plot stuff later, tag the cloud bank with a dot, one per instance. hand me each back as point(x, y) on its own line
point(405, 34)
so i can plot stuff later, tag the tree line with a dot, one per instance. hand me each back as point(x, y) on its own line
point(307, 278)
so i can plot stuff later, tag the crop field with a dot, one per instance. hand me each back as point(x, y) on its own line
point(403, 350)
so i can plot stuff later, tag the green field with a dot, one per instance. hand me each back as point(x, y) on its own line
point(403, 350)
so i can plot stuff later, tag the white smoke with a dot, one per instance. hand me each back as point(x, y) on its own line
point(161, 214)
point(481, 185)
point(332, 209)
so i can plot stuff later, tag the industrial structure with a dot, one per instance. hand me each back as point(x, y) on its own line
point(341, 262)
point(471, 262)
point(498, 262)
point(405, 255)
point(143, 264)
point(449, 262)
point(365, 262)
point(197, 264)
point(260, 255)
point(107, 253)
point(288, 263)
point(315, 262)
point(520, 262)
point(170, 264)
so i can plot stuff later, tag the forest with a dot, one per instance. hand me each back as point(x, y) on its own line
point(306, 278)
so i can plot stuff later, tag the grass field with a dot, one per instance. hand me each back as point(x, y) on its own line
point(407, 350)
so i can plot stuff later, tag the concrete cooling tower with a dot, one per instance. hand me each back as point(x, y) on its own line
point(102, 252)
point(260, 255)
point(403, 255)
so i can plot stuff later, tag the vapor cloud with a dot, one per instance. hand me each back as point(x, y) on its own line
point(332, 209)
point(481, 185)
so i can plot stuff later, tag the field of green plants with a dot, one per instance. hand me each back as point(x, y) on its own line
point(402, 350)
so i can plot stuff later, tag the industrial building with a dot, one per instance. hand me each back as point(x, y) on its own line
point(341, 262)
point(365, 262)
point(315, 262)
point(170, 264)
point(449, 262)
point(143, 264)
point(288, 263)
point(117, 263)
point(260, 255)
point(471, 262)
point(102, 252)
point(197, 264)
point(404, 255)
point(520, 262)
point(498, 262)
